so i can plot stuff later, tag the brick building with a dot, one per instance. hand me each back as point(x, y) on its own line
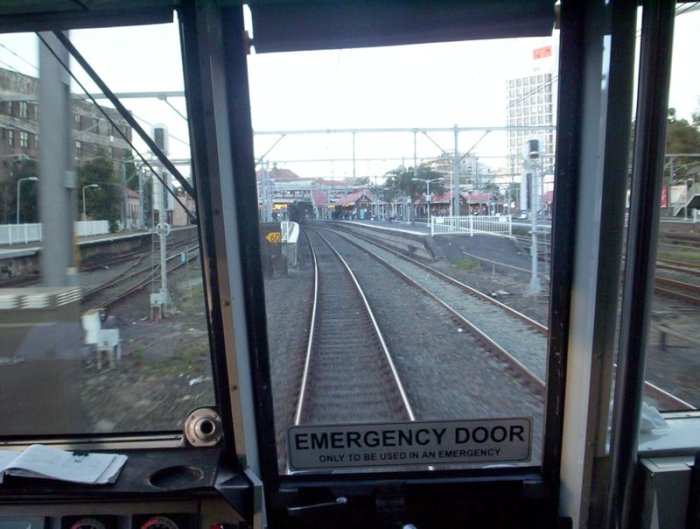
point(94, 136)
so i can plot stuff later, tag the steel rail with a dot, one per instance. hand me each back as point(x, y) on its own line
point(309, 346)
point(498, 349)
point(378, 331)
point(143, 283)
point(398, 385)
point(651, 389)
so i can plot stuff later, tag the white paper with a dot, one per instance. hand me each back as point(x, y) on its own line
point(6, 457)
point(40, 461)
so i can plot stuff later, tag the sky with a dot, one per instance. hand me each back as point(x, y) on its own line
point(437, 85)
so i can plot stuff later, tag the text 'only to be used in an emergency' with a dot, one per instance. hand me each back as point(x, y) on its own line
point(416, 443)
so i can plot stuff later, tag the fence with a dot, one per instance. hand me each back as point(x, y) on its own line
point(495, 225)
point(19, 233)
point(24, 233)
point(85, 228)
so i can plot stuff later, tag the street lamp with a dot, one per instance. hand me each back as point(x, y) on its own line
point(427, 192)
point(84, 188)
point(19, 181)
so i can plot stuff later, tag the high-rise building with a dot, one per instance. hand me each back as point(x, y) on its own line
point(531, 103)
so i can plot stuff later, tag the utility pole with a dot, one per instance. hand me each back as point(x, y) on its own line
point(532, 155)
point(57, 178)
point(125, 196)
point(142, 202)
point(454, 203)
point(161, 299)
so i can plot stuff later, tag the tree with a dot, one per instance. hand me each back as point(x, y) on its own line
point(148, 201)
point(682, 138)
point(399, 182)
point(103, 202)
point(29, 193)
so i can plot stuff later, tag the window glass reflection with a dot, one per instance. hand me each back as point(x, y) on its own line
point(101, 297)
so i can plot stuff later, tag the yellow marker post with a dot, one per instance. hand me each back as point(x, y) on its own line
point(274, 237)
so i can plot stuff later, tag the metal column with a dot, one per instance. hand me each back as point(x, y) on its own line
point(57, 180)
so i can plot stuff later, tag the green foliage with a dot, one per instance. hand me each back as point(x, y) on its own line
point(29, 193)
point(103, 202)
point(399, 182)
point(468, 265)
point(29, 199)
point(131, 174)
point(683, 138)
point(148, 200)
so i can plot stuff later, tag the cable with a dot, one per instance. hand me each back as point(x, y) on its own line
point(19, 57)
point(165, 100)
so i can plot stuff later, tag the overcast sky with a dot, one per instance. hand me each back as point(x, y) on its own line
point(436, 85)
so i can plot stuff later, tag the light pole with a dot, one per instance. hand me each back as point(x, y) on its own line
point(84, 188)
point(427, 192)
point(19, 181)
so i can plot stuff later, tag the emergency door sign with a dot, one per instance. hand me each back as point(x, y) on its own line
point(415, 443)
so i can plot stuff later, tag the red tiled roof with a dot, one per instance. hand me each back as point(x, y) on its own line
point(350, 199)
point(436, 199)
point(279, 175)
point(481, 198)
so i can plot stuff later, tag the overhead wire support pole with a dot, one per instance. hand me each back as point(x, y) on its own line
point(535, 288)
point(424, 130)
point(415, 170)
point(282, 136)
point(434, 142)
point(164, 99)
point(474, 146)
point(353, 155)
point(266, 195)
point(125, 113)
point(454, 203)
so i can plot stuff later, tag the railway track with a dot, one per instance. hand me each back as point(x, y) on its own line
point(691, 241)
point(349, 375)
point(95, 263)
point(679, 266)
point(672, 288)
point(132, 280)
point(514, 337)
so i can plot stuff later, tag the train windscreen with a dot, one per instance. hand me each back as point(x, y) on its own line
point(104, 329)
point(405, 198)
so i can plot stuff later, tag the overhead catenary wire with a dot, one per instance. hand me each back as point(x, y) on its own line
point(19, 57)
